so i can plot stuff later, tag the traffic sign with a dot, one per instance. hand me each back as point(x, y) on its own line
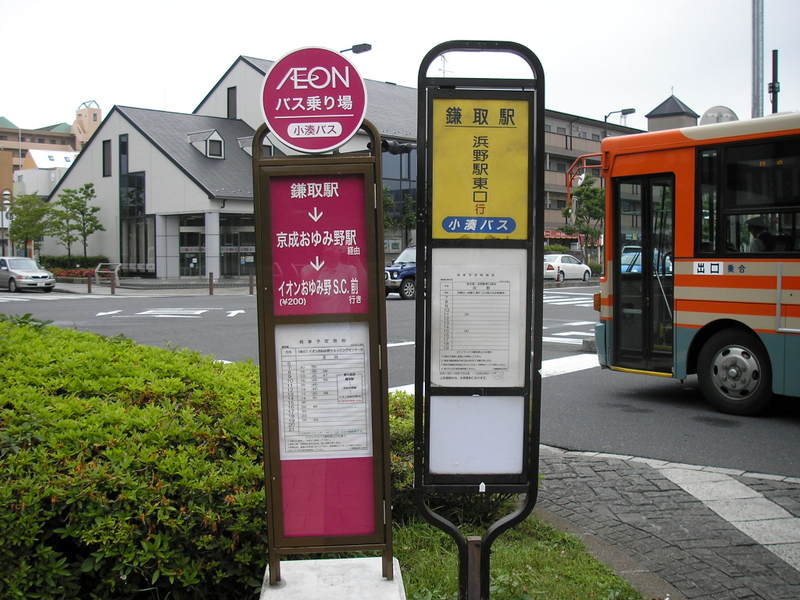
point(313, 100)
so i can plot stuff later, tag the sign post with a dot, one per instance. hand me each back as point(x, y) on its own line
point(321, 313)
point(479, 316)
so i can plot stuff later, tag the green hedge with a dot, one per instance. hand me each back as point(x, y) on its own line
point(128, 471)
point(50, 261)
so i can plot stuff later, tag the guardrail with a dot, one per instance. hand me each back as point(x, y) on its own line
point(108, 271)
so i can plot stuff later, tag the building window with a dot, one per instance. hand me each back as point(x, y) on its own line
point(106, 158)
point(231, 102)
point(123, 154)
point(561, 130)
point(215, 148)
point(595, 137)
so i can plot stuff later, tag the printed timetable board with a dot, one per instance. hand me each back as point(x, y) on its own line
point(478, 317)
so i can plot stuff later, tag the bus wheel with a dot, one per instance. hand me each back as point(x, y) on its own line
point(734, 372)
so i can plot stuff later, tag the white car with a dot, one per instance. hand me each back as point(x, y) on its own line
point(18, 273)
point(565, 266)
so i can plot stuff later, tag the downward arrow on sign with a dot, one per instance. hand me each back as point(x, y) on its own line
point(317, 264)
point(316, 216)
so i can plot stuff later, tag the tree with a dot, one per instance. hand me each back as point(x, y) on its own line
point(28, 220)
point(73, 218)
point(403, 217)
point(588, 212)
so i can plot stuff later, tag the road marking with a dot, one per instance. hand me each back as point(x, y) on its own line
point(584, 333)
point(396, 344)
point(14, 300)
point(173, 312)
point(570, 302)
point(557, 340)
point(580, 323)
point(110, 312)
point(233, 313)
point(568, 364)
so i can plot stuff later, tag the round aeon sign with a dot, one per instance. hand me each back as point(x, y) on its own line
point(314, 100)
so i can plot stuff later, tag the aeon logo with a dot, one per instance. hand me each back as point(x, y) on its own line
point(319, 78)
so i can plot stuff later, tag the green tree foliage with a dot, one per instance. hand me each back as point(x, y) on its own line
point(588, 210)
point(403, 217)
point(28, 215)
point(73, 218)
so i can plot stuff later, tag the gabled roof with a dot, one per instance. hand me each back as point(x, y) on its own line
point(671, 107)
point(391, 108)
point(230, 178)
point(6, 124)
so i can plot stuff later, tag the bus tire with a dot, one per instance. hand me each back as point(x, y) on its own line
point(734, 372)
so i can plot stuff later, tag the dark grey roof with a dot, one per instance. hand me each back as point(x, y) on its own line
point(671, 107)
point(391, 108)
point(228, 178)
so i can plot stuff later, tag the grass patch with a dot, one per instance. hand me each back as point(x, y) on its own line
point(131, 472)
point(530, 561)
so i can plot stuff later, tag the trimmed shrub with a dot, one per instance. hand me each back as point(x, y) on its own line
point(128, 471)
point(556, 249)
point(72, 273)
point(49, 261)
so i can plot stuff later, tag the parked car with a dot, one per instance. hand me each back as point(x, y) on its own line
point(401, 275)
point(565, 266)
point(18, 273)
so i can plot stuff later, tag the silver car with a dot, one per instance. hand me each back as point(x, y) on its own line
point(18, 273)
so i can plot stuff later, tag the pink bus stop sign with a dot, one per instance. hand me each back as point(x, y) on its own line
point(314, 100)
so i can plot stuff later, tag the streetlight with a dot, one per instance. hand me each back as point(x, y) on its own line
point(623, 111)
point(358, 48)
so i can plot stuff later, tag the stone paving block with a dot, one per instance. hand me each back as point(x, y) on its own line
point(747, 509)
point(719, 490)
point(681, 476)
point(773, 531)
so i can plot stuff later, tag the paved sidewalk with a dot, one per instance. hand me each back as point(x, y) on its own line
point(679, 531)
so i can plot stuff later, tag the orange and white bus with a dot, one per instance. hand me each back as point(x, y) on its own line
point(702, 258)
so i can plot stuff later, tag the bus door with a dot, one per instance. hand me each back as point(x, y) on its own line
point(643, 288)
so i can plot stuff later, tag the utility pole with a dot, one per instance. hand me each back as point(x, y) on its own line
point(758, 59)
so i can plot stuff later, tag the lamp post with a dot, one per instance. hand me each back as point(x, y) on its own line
point(623, 111)
point(357, 48)
point(4, 220)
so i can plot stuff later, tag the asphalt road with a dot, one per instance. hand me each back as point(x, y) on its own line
point(588, 409)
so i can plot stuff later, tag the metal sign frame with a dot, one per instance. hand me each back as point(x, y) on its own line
point(474, 552)
point(366, 166)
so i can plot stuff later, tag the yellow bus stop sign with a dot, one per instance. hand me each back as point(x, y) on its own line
point(480, 168)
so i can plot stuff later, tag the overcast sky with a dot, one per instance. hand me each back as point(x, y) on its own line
point(598, 55)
